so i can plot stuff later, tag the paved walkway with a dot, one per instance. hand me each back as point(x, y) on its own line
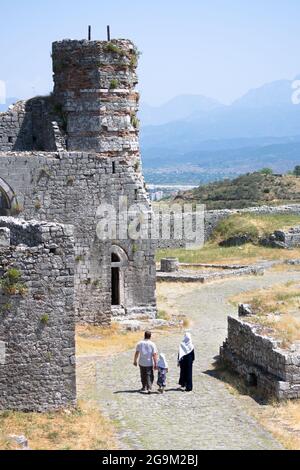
point(208, 418)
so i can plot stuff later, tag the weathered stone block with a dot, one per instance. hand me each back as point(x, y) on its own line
point(4, 237)
point(259, 359)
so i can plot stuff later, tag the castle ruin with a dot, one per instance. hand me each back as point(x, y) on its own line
point(62, 157)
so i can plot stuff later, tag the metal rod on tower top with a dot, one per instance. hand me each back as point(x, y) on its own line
point(90, 33)
point(108, 32)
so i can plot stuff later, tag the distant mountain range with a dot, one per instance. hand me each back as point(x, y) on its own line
point(262, 128)
point(178, 108)
point(9, 101)
point(192, 138)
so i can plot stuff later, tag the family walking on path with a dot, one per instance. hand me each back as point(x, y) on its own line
point(146, 355)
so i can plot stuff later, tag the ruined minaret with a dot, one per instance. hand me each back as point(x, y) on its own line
point(94, 84)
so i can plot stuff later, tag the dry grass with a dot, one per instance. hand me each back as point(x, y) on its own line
point(255, 225)
point(280, 419)
point(275, 307)
point(81, 429)
point(103, 341)
point(283, 421)
point(284, 267)
point(212, 253)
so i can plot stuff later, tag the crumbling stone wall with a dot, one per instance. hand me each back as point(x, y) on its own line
point(69, 190)
point(83, 152)
point(283, 238)
point(94, 85)
point(32, 125)
point(37, 319)
point(257, 357)
point(213, 217)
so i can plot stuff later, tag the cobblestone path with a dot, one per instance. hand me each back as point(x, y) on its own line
point(208, 418)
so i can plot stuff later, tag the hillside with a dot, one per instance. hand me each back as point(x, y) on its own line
point(245, 191)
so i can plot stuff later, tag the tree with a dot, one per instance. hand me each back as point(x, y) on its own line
point(296, 171)
point(266, 171)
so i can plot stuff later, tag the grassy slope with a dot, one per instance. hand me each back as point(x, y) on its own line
point(234, 225)
point(275, 308)
point(245, 191)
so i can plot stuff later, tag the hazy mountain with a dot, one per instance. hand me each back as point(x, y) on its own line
point(274, 94)
point(9, 101)
point(178, 108)
point(264, 116)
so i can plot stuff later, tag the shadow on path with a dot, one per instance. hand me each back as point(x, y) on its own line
point(237, 383)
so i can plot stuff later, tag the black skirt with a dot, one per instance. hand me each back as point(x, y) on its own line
point(186, 371)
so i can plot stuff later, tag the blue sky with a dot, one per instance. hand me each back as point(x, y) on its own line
point(218, 48)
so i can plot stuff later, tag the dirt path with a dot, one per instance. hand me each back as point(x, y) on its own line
point(208, 418)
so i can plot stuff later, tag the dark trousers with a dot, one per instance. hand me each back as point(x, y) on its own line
point(147, 377)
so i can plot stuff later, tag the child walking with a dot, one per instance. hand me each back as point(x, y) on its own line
point(162, 367)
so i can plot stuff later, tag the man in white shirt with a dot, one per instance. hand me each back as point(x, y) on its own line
point(146, 351)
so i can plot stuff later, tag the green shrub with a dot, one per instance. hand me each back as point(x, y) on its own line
point(234, 226)
point(11, 284)
point(163, 315)
point(135, 121)
point(113, 84)
point(13, 275)
point(266, 171)
point(110, 47)
point(44, 319)
point(37, 204)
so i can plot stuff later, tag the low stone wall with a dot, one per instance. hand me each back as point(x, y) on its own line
point(37, 317)
point(257, 357)
point(283, 238)
point(193, 276)
point(213, 217)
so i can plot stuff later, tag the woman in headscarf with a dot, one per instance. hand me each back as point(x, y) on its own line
point(186, 357)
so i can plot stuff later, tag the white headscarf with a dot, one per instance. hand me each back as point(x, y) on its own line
point(162, 362)
point(186, 346)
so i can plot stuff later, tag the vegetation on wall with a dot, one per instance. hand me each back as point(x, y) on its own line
point(11, 283)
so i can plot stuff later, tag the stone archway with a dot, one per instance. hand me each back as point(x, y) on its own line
point(8, 200)
point(119, 263)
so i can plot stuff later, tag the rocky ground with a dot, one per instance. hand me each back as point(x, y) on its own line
point(208, 418)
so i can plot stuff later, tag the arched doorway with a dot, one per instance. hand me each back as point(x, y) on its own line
point(115, 280)
point(7, 199)
point(119, 262)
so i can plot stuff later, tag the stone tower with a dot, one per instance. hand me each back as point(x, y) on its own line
point(94, 92)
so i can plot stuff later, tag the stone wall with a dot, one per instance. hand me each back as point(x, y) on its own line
point(65, 155)
point(32, 125)
point(213, 217)
point(37, 319)
point(283, 238)
point(256, 356)
point(94, 84)
point(68, 188)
